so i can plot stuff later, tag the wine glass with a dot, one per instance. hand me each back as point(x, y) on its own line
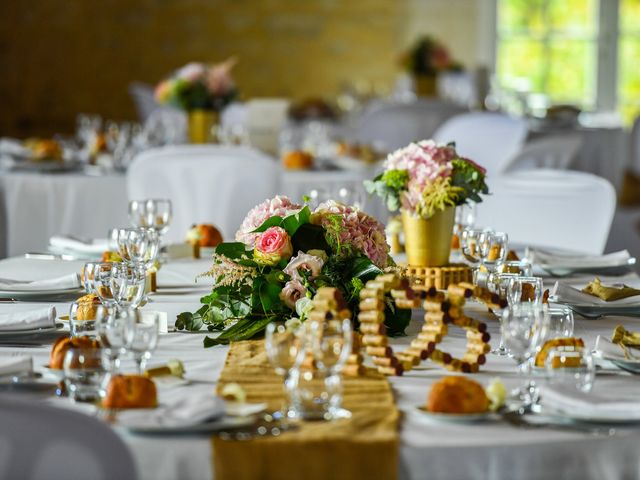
point(524, 289)
point(352, 194)
point(470, 245)
point(151, 213)
point(83, 373)
point(493, 248)
point(519, 267)
point(558, 323)
point(498, 283)
point(317, 196)
point(138, 246)
point(88, 276)
point(570, 366)
point(141, 333)
point(101, 283)
point(465, 217)
point(521, 328)
point(127, 285)
point(284, 346)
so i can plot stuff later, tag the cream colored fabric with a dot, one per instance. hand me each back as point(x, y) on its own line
point(364, 446)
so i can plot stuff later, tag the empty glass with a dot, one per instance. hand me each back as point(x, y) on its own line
point(151, 213)
point(465, 218)
point(111, 326)
point(470, 245)
point(570, 366)
point(142, 337)
point(84, 326)
point(493, 248)
point(101, 282)
point(352, 194)
point(138, 246)
point(127, 285)
point(83, 373)
point(558, 323)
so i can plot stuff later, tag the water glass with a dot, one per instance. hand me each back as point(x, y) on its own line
point(470, 245)
point(88, 276)
point(353, 195)
point(111, 326)
point(127, 285)
point(101, 282)
point(465, 217)
point(151, 213)
point(570, 366)
point(141, 333)
point(518, 267)
point(285, 353)
point(524, 290)
point(83, 373)
point(558, 322)
point(82, 327)
point(493, 248)
point(138, 246)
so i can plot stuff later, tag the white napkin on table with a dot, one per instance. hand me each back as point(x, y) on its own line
point(572, 296)
point(15, 365)
point(548, 259)
point(78, 245)
point(26, 320)
point(186, 410)
point(614, 400)
point(65, 282)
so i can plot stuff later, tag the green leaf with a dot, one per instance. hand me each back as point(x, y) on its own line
point(293, 222)
point(396, 321)
point(189, 321)
point(364, 269)
point(310, 237)
point(243, 329)
point(232, 250)
point(269, 296)
point(274, 221)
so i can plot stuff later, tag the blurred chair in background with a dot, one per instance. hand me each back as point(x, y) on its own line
point(41, 441)
point(205, 183)
point(557, 152)
point(551, 208)
point(490, 139)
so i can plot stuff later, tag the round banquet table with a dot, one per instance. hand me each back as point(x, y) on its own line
point(493, 450)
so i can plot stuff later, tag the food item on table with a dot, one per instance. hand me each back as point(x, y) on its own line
point(456, 394)
point(173, 367)
point(363, 152)
point(494, 253)
point(625, 337)
point(297, 160)
point(64, 344)
point(233, 392)
point(44, 150)
point(110, 256)
point(496, 393)
point(204, 235)
point(512, 256)
point(130, 391)
point(570, 343)
point(455, 242)
point(608, 294)
point(87, 307)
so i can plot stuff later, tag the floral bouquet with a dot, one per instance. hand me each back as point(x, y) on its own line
point(284, 252)
point(424, 178)
point(198, 86)
point(428, 57)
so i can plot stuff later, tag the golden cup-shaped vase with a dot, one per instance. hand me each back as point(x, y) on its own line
point(428, 240)
point(202, 126)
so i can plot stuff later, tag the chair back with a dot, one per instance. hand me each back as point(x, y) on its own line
point(556, 151)
point(551, 208)
point(40, 441)
point(487, 138)
point(395, 125)
point(205, 183)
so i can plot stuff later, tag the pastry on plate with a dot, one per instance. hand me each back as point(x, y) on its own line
point(570, 343)
point(204, 235)
point(297, 160)
point(64, 344)
point(130, 391)
point(458, 395)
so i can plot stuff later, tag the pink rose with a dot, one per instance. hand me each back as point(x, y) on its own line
point(304, 261)
point(292, 292)
point(272, 246)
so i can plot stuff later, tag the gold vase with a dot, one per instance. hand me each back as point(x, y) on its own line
point(202, 125)
point(428, 240)
point(425, 84)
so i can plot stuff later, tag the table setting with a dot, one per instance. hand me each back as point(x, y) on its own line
point(307, 339)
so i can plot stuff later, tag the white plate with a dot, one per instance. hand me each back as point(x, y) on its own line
point(212, 426)
point(53, 374)
point(29, 332)
point(455, 417)
point(578, 416)
point(30, 294)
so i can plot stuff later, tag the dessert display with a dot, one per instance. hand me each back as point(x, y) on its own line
point(130, 391)
point(87, 307)
point(297, 160)
point(63, 344)
point(458, 395)
point(204, 235)
point(570, 343)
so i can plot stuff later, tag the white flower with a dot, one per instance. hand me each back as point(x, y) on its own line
point(292, 291)
point(304, 261)
point(304, 306)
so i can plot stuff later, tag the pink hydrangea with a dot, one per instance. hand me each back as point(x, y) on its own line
point(425, 161)
point(357, 230)
point(191, 72)
point(277, 206)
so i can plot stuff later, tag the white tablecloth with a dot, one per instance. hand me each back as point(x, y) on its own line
point(478, 451)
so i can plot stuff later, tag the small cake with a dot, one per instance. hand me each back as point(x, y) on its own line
point(297, 160)
point(570, 343)
point(130, 391)
point(456, 394)
point(204, 235)
point(64, 344)
point(87, 307)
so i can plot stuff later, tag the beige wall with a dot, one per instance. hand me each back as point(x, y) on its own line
point(61, 57)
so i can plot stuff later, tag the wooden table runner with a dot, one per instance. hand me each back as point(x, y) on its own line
point(364, 446)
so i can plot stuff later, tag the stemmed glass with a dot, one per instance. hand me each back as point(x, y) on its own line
point(353, 195)
point(127, 285)
point(284, 347)
point(522, 327)
point(100, 284)
point(493, 248)
point(465, 219)
point(138, 246)
point(112, 327)
point(83, 373)
point(141, 333)
point(498, 283)
point(151, 213)
point(470, 245)
point(524, 289)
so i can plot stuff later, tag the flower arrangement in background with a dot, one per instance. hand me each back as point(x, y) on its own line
point(284, 252)
point(199, 86)
point(428, 57)
point(424, 178)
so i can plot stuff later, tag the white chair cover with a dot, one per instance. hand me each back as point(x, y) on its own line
point(144, 99)
point(205, 183)
point(557, 151)
point(489, 139)
point(39, 441)
point(394, 125)
point(550, 208)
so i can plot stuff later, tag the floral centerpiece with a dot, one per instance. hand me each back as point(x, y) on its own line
point(200, 89)
point(425, 60)
point(426, 181)
point(283, 253)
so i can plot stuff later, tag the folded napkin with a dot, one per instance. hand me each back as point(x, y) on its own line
point(609, 293)
point(15, 365)
point(68, 243)
point(185, 410)
point(66, 282)
point(614, 399)
point(26, 320)
point(548, 259)
point(572, 296)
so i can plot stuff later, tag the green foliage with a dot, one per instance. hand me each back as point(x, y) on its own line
point(469, 180)
point(291, 223)
point(388, 186)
